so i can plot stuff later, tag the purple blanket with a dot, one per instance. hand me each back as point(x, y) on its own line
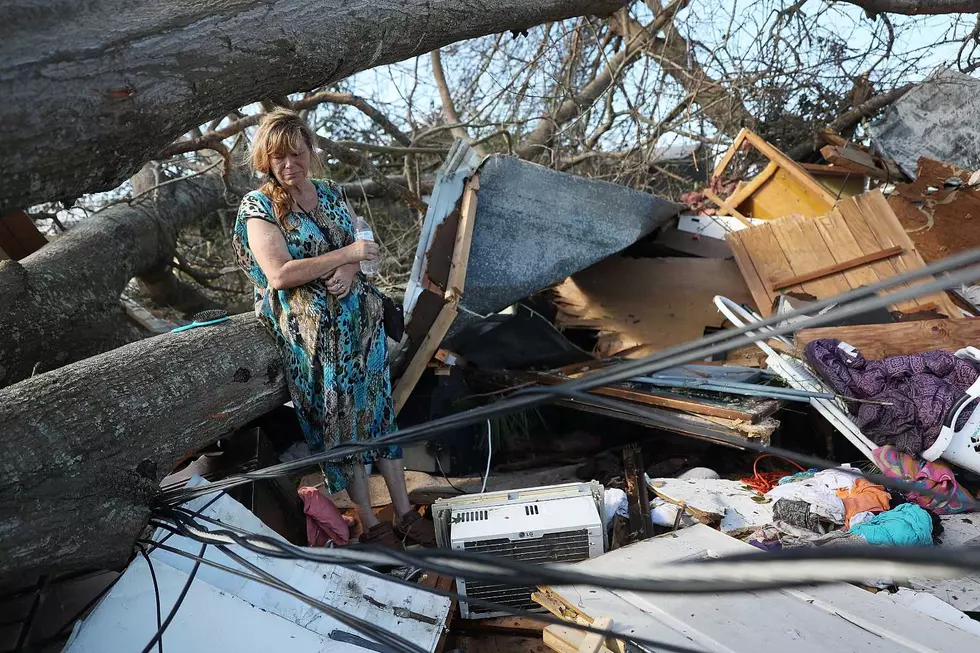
point(920, 387)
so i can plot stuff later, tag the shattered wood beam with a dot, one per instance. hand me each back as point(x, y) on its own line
point(720, 105)
point(539, 141)
point(103, 432)
point(86, 80)
point(61, 304)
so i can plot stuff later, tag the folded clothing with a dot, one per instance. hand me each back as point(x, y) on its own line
point(798, 514)
point(933, 475)
point(864, 496)
point(904, 525)
point(919, 388)
point(820, 491)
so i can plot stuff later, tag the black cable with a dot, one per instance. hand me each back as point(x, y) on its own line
point(446, 476)
point(391, 640)
point(180, 599)
point(487, 568)
point(432, 590)
point(156, 593)
point(678, 355)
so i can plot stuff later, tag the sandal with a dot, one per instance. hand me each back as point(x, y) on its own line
point(382, 535)
point(413, 528)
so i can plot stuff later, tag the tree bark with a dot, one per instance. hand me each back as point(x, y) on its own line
point(93, 90)
point(916, 7)
point(61, 304)
point(83, 449)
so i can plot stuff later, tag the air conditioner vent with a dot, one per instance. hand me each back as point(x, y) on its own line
point(471, 516)
point(531, 509)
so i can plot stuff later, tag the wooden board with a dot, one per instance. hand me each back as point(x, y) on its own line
point(882, 340)
point(453, 276)
point(858, 227)
point(748, 409)
point(782, 188)
point(645, 305)
point(566, 639)
point(840, 266)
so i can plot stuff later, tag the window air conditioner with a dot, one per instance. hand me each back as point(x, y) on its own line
point(557, 523)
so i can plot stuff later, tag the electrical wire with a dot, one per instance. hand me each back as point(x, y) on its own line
point(448, 594)
point(775, 570)
point(266, 579)
point(156, 593)
point(177, 604)
point(486, 475)
point(678, 355)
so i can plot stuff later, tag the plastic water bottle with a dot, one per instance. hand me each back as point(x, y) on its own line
point(363, 232)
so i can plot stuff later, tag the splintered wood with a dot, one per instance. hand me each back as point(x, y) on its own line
point(640, 306)
point(854, 245)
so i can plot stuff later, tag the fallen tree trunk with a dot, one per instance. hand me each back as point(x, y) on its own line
point(61, 304)
point(83, 449)
point(105, 85)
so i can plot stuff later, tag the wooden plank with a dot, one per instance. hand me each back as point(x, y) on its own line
point(785, 195)
point(843, 246)
point(651, 399)
point(746, 265)
point(868, 242)
point(464, 239)
point(840, 266)
point(882, 340)
point(513, 625)
point(806, 250)
point(20, 237)
point(566, 639)
point(790, 166)
point(885, 220)
point(726, 208)
point(429, 345)
point(497, 644)
point(753, 184)
point(769, 261)
point(593, 642)
point(730, 154)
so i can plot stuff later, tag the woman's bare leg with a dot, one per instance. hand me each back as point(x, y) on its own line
point(359, 493)
point(394, 474)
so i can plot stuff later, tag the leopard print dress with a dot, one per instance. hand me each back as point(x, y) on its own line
point(334, 351)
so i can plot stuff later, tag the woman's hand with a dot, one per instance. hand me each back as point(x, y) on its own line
point(362, 250)
point(340, 280)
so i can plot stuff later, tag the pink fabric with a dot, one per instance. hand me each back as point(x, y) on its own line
point(324, 523)
point(935, 475)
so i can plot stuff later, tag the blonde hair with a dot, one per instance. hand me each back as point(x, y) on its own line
point(277, 136)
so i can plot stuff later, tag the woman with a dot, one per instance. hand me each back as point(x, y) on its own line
point(295, 240)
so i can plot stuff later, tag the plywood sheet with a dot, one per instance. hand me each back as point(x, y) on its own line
point(797, 245)
point(644, 305)
point(882, 340)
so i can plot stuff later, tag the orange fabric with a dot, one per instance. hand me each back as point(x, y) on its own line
point(863, 496)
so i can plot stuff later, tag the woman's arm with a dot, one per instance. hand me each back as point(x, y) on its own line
point(283, 271)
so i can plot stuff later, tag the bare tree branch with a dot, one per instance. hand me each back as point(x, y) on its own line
point(359, 161)
point(448, 108)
